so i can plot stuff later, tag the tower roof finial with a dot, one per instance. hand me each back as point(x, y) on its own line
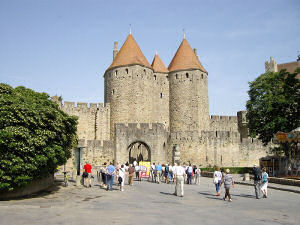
point(183, 33)
point(130, 29)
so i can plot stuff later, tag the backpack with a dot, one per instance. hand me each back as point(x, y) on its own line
point(265, 178)
point(257, 174)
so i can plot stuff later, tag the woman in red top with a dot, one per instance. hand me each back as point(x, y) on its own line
point(88, 171)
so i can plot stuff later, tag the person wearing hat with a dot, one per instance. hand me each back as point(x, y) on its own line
point(257, 181)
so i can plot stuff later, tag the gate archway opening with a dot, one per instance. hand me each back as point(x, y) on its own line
point(139, 151)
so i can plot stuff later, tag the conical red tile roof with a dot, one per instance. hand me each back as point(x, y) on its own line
point(158, 65)
point(185, 59)
point(129, 54)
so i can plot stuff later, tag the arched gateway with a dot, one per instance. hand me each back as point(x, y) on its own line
point(139, 151)
point(140, 142)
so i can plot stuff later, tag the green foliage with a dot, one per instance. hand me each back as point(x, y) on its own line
point(273, 105)
point(35, 136)
point(233, 170)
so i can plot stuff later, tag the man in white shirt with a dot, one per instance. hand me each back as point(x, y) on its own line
point(137, 172)
point(179, 174)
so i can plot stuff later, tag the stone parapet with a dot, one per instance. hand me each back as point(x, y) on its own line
point(33, 187)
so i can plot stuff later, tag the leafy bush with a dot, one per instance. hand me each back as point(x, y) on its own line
point(233, 170)
point(35, 136)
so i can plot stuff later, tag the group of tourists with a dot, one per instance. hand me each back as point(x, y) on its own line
point(166, 173)
point(220, 178)
point(177, 173)
point(260, 177)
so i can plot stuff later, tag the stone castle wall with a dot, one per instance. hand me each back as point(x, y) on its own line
point(222, 148)
point(93, 119)
point(96, 152)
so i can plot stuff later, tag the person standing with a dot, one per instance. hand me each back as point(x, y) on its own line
point(179, 174)
point(189, 174)
point(217, 179)
point(137, 172)
point(152, 170)
point(170, 174)
point(103, 174)
point(264, 186)
point(174, 178)
point(158, 170)
point(228, 183)
point(197, 175)
point(111, 170)
point(121, 177)
point(134, 163)
point(166, 174)
point(257, 180)
point(88, 171)
point(130, 174)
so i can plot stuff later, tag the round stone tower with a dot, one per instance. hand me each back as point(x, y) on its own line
point(128, 86)
point(160, 101)
point(189, 108)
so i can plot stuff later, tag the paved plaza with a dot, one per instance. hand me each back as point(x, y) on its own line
point(149, 203)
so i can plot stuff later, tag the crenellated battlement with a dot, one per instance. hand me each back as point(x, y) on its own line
point(223, 123)
point(233, 119)
point(141, 127)
point(84, 105)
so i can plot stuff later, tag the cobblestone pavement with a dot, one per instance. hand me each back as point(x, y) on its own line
point(149, 203)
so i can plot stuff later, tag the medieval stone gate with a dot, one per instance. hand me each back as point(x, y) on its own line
point(140, 142)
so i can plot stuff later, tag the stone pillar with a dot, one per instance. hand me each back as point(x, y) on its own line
point(176, 154)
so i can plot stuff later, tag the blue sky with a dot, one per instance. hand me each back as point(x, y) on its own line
point(63, 47)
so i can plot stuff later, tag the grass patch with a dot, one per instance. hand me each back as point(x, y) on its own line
point(233, 170)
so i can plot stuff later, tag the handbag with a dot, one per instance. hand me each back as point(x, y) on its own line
point(216, 180)
point(85, 174)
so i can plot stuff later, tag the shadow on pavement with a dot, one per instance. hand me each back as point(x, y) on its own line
point(166, 193)
point(243, 195)
point(211, 196)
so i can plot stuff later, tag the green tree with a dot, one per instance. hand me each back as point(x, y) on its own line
point(35, 136)
point(274, 104)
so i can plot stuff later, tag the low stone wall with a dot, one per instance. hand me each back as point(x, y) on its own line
point(32, 187)
point(285, 181)
point(274, 180)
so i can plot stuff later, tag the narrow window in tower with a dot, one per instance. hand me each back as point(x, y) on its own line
point(116, 72)
point(154, 77)
point(145, 71)
point(187, 75)
point(176, 76)
point(201, 76)
point(216, 133)
point(113, 92)
point(161, 95)
point(126, 71)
